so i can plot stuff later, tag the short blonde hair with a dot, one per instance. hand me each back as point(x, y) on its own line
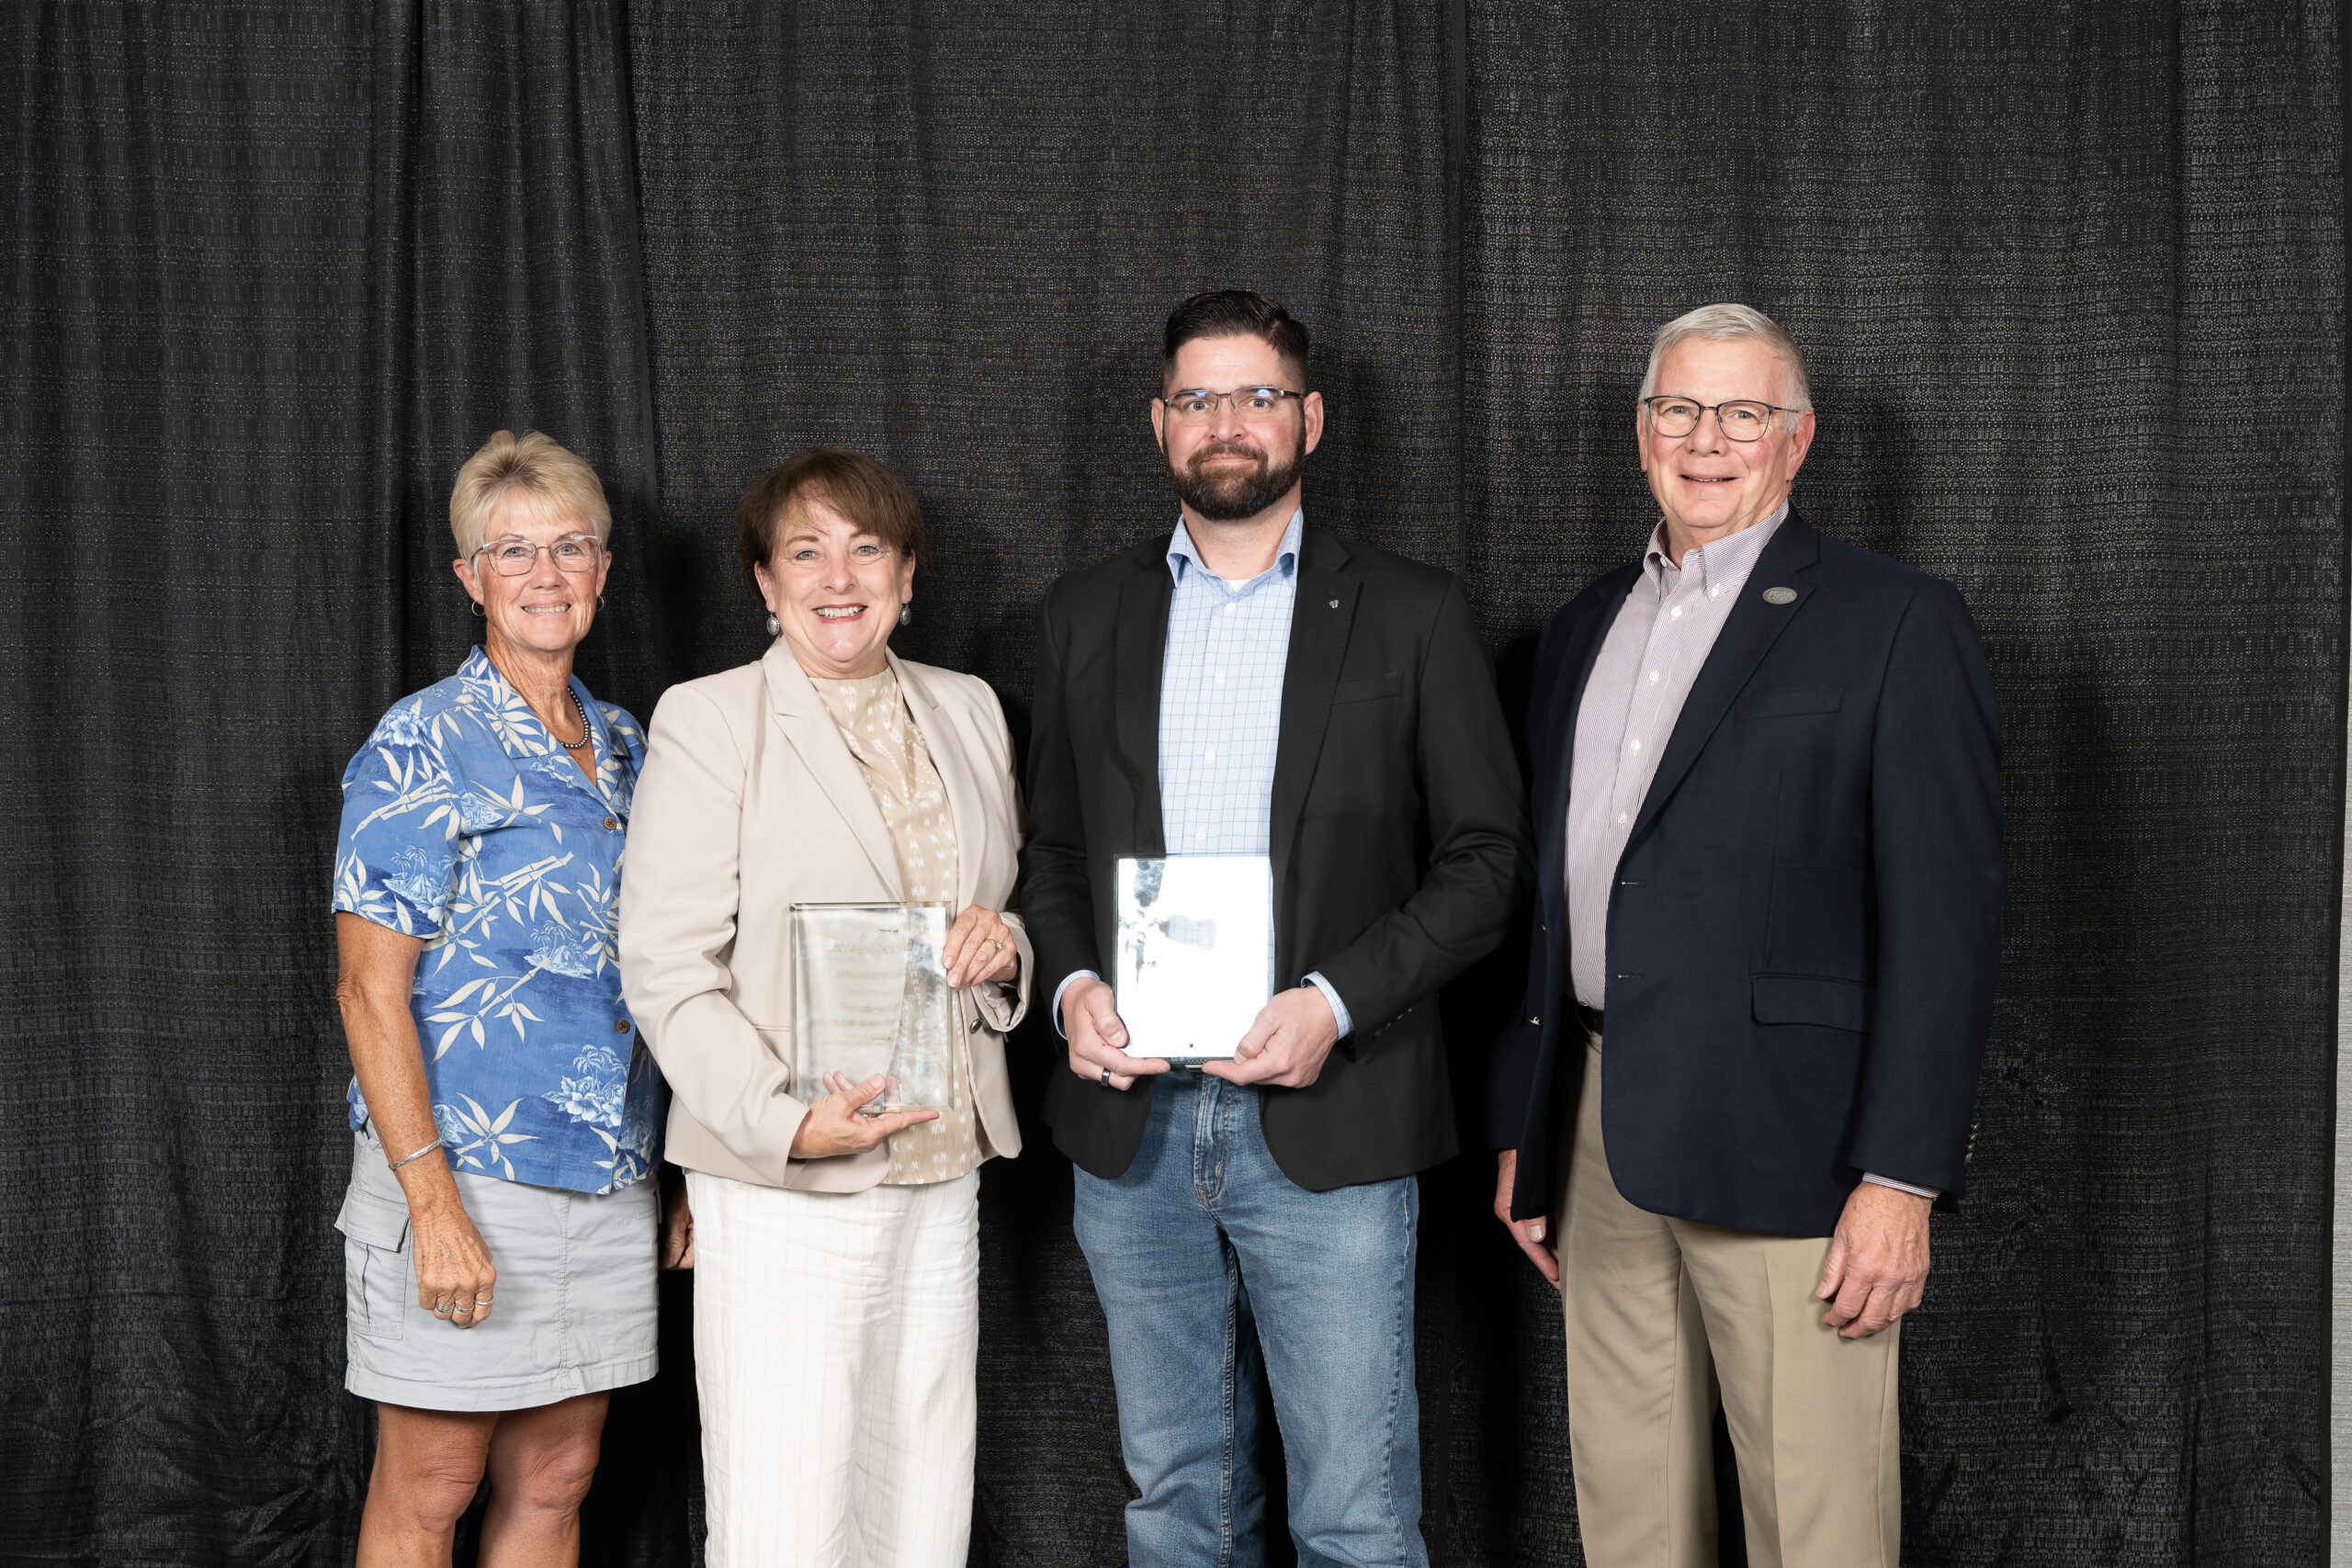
point(534, 466)
point(1727, 323)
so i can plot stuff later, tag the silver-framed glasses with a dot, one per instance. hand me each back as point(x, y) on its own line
point(1259, 404)
point(512, 556)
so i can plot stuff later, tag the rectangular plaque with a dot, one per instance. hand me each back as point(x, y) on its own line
point(1196, 952)
point(870, 997)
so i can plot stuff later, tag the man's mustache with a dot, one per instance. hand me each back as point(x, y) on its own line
point(1205, 453)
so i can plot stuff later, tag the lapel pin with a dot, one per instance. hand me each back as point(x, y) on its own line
point(1335, 604)
point(1780, 596)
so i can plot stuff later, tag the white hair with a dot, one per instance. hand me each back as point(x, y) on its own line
point(1731, 323)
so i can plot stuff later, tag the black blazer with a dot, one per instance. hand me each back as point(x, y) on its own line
point(1397, 837)
point(1807, 919)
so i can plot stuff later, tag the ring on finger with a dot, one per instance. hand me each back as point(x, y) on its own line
point(443, 1309)
point(1106, 1078)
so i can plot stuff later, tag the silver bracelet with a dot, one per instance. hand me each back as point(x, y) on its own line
point(419, 1155)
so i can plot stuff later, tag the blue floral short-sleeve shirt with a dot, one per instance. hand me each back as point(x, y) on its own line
point(465, 823)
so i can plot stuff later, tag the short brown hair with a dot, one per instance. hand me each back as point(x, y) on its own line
point(534, 466)
point(1236, 313)
point(858, 486)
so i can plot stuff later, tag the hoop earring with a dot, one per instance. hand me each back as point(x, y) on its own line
point(906, 615)
point(473, 608)
point(600, 600)
point(775, 627)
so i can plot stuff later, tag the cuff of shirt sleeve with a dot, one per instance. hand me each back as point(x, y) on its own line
point(1073, 975)
point(1930, 1193)
point(1339, 1007)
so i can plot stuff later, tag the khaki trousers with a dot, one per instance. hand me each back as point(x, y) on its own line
point(1663, 1316)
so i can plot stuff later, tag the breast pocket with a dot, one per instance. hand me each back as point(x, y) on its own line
point(375, 1268)
point(1369, 689)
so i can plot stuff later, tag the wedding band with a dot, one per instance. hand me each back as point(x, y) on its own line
point(443, 1309)
point(1106, 1078)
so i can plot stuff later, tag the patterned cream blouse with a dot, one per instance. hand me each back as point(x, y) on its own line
point(872, 716)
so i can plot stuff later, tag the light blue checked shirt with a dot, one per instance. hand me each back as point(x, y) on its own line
point(1221, 712)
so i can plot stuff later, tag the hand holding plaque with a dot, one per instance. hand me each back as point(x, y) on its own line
point(1196, 952)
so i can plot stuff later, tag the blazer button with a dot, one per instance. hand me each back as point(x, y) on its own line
point(620, 1026)
point(610, 823)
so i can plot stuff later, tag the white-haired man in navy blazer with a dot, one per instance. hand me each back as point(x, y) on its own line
point(1768, 805)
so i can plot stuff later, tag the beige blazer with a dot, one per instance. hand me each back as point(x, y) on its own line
point(750, 802)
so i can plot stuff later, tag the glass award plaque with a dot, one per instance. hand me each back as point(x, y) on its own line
point(1196, 952)
point(869, 998)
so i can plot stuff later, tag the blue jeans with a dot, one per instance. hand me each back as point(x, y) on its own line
point(1201, 1235)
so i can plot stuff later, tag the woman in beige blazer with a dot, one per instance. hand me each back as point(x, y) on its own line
point(836, 1254)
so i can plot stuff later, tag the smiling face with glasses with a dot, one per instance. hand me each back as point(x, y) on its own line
point(536, 578)
point(1236, 431)
point(1720, 448)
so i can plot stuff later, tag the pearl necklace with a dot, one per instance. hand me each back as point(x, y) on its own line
point(585, 733)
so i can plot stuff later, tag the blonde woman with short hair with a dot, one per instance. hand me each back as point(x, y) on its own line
point(500, 1224)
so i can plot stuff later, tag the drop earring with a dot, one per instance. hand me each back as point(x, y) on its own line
point(906, 614)
point(775, 627)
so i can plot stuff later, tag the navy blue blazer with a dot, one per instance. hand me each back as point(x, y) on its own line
point(1806, 922)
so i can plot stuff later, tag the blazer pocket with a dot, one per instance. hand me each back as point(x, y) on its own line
point(1815, 999)
point(1780, 705)
point(1370, 688)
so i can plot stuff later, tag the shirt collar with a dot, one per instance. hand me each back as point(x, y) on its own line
point(525, 739)
point(1183, 557)
point(1726, 562)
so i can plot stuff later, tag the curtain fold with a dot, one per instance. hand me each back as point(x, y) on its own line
point(2070, 280)
point(948, 235)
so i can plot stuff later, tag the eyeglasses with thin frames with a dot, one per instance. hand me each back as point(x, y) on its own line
point(1739, 421)
point(513, 557)
point(1259, 405)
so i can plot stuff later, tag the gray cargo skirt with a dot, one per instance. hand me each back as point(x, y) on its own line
point(575, 1311)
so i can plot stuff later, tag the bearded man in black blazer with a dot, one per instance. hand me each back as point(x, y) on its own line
point(1252, 685)
point(1768, 807)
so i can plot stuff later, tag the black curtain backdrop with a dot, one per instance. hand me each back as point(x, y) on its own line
point(2071, 277)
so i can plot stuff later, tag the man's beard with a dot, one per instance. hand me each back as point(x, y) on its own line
point(1234, 495)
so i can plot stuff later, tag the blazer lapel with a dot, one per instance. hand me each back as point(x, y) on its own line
point(946, 748)
point(809, 726)
point(1322, 611)
point(1748, 634)
point(1140, 645)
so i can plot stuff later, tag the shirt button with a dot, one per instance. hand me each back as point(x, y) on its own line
point(1653, 677)
point(1632, 745)
point(620, 1026)
point(1621, 819)
point(612, 822)
point(1210, 753)
point(1675, 614)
